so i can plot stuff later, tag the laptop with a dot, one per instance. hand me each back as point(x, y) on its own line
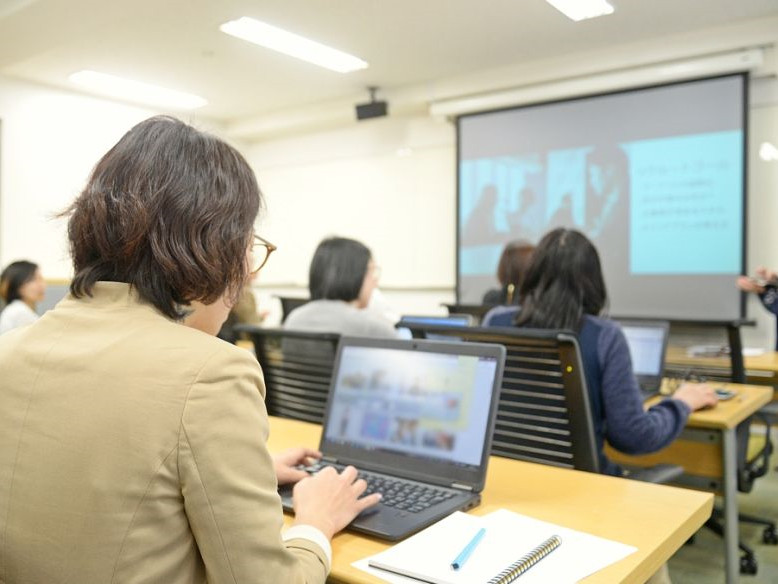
point(416, 418)
point(409, 323)
point(450, 320)
point(647, 340)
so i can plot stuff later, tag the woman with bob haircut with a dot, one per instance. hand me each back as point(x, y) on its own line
point(341, 280)
point(564, 289)
point(511, 269)
point(132, 447)
point(21, 287)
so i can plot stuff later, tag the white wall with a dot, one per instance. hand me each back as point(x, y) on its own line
point(387, 182)
point(49, 142)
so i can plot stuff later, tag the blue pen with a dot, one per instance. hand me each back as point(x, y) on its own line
point(460, 560)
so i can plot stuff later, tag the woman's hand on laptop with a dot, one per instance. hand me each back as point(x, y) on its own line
point(329, 501)
point(696, 395)
point(286, 461)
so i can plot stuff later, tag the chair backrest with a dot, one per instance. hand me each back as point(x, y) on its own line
point(289, 303)
point(476, 310)
point(543, 414)
point(753, 451)
point(297, 367)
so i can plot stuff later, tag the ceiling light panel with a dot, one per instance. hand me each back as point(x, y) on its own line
point(294, 45)
point(582, 9)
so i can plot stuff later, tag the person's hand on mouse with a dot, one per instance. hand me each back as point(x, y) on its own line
point(696, 395)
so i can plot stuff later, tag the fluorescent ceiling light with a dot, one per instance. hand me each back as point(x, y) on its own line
point(291, 44)
point(129, 90)
point(582, 9)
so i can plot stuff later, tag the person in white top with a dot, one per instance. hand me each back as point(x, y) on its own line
point(342, 279)
point(21, 286)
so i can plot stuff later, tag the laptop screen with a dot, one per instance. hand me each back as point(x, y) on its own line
point(426, 405)
point(646, 348)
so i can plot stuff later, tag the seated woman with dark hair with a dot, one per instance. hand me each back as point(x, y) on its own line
point(132, 447)
point(513, 264)
point(341, 279)
point(21, 288)
point(564, 289)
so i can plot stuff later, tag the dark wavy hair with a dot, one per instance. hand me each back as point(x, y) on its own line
point(14, 276)
point(563, 283)
point(338, 269)
point(169, 210)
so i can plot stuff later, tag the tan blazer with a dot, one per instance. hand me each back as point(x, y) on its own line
point(132, 449)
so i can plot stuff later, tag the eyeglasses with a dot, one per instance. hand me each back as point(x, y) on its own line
point(260, 252)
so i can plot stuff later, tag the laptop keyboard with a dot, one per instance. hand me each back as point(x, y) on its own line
point(397, 493)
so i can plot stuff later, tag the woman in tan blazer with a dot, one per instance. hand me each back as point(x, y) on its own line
point(132, 448)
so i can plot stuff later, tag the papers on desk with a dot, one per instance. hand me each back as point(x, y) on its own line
point(753, 351)
point(720, 351)
point(509, 536)
point(707, 351)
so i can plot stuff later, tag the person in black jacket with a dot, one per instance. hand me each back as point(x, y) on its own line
point(766, 286)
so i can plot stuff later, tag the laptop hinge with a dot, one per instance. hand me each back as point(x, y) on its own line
point(329, 459)
point(461, 487)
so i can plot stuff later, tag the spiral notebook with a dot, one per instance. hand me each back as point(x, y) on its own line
point(510, 551)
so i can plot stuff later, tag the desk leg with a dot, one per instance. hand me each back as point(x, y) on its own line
point(731, 528)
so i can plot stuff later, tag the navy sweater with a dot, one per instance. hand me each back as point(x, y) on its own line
point(614, 396)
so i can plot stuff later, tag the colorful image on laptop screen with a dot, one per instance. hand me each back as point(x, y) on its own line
point(421, 404)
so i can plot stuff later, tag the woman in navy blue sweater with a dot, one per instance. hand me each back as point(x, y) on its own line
point(564, 289)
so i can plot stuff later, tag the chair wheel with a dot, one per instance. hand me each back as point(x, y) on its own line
point(769, 536)
point(748, 565)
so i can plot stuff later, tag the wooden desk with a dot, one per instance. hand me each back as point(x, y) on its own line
point(707, 449)
point(760, 369)
point(655, 519)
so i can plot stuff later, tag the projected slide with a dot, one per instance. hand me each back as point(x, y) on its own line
point(653, 177)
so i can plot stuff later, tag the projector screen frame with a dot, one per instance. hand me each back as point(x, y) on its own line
point(744, 77)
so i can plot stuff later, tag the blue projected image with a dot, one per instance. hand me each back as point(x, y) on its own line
point(688, 189)
point(651, 194)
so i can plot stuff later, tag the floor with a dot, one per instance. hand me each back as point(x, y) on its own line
point(703, 562)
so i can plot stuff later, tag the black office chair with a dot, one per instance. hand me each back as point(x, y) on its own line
point(754, 450)
point(477, 311)
point(297, 367)
point(722, 335)
point(289, 303)
point(543, 414)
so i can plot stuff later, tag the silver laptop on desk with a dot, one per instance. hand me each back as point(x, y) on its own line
point(416, 418)
point(647, 340)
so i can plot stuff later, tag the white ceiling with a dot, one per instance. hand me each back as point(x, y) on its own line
point(177, 43)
